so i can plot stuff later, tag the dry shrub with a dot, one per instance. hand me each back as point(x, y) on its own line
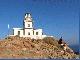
point(50, 40)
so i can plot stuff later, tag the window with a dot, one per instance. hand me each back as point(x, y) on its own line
point(28, 25)
point(36, 33)
point(18, 32)
point(33, 32)
point(28, 33)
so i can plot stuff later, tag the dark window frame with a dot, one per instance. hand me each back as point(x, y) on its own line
point(28, 33)
point(28, 25)
point(18, 32)
point(36, 33)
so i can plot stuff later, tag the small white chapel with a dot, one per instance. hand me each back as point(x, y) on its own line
point(28, 29)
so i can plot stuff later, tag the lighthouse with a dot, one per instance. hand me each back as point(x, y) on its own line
point(28, 30)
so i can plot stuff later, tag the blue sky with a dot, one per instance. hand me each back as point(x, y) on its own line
point(55, 17)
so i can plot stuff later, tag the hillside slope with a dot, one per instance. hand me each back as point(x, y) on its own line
point(18, 47)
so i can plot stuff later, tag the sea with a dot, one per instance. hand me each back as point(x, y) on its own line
point(75, 48)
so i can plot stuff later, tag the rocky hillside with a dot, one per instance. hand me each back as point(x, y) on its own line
point(18, 47)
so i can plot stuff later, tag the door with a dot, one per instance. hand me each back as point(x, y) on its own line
point(18, 32)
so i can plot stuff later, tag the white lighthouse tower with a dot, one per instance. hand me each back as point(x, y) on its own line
point(28, 21)
point(28, 25)
point(28, 29)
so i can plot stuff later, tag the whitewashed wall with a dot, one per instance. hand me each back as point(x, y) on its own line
point(16, 31)
point(26, 24)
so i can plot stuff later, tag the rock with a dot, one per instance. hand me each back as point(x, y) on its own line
point(28, 48)
point(24, 49)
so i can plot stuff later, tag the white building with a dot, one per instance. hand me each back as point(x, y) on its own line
point(28, 29)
